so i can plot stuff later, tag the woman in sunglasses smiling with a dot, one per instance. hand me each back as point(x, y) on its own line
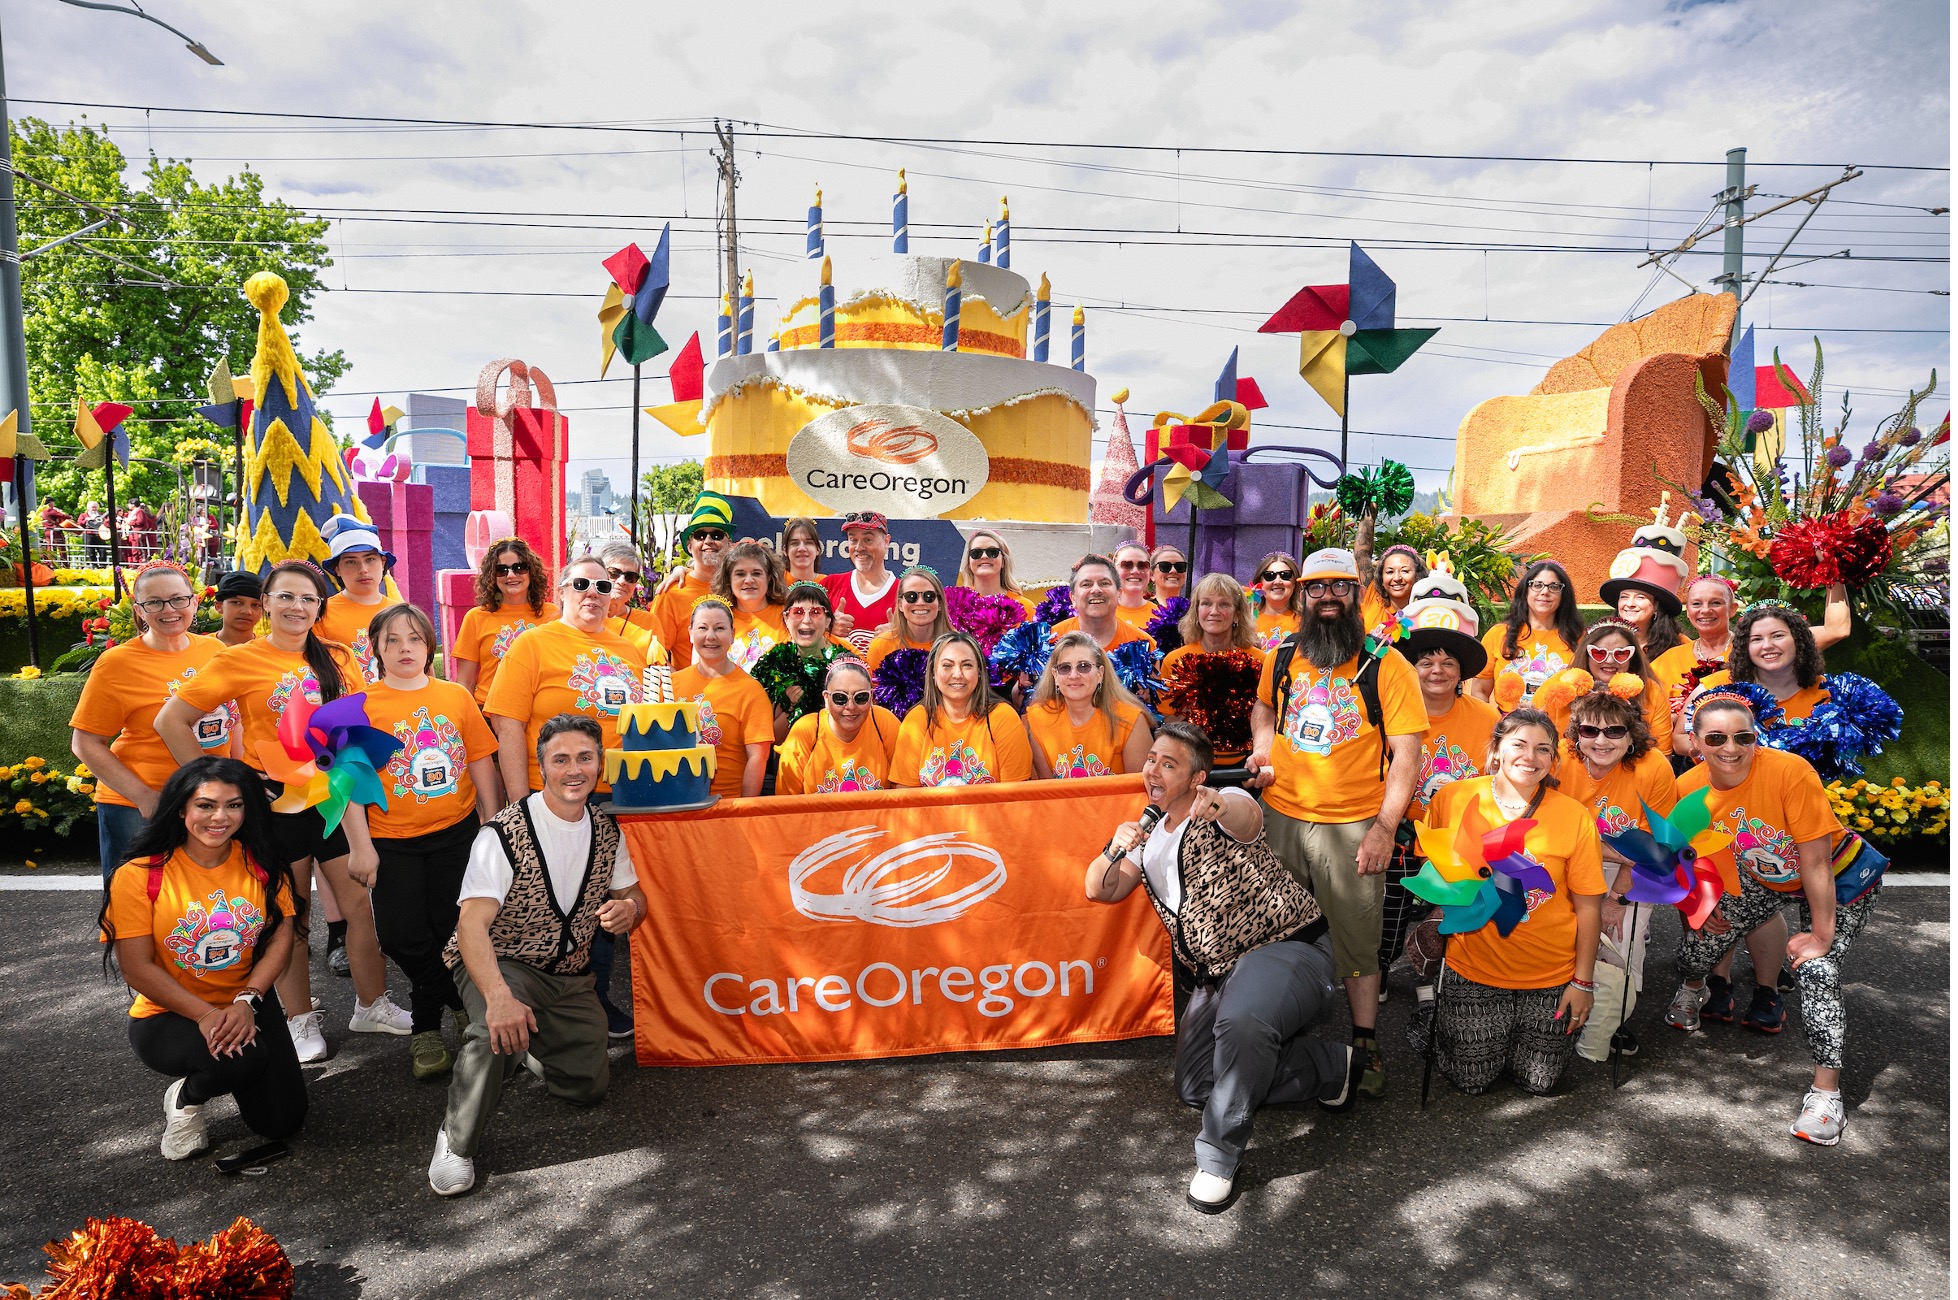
point(1171, 573)
point(1536, 639)
point(512, 597)
point(846, 746)
point(1132, 603)
point(627, 570)
point(920, 618)
point(1610, 648)
point(988, 569)
point(1084, 722)
point(1278, 597)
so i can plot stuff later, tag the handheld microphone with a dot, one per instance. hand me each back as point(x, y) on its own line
point(1150, 816)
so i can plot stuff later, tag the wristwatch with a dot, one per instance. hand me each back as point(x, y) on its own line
point(251, 997)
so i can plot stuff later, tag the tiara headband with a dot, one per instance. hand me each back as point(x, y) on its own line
point(921, 568)
point(718, 602)
point(1717, 695)
point(847, 661)
point(803, 584)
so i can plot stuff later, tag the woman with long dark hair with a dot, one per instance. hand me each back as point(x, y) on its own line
point(198, 923)
point(260, 677)
point(960, 733)
point(1537, 638)
point(1394, 575)
point(513, 595)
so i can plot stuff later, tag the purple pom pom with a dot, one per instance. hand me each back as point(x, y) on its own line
point(1760, 422)
point(1838, 456)
point(987, 618)
point(1164, 626)
point(1057, 606)
point(900, 680)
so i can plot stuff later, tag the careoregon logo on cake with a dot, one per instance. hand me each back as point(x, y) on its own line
point(903, 461)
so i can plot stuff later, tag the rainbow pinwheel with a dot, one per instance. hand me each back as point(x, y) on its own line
point(1680, 861)
point(327, 756)
point(632, 300)
point(1197, 450)
point(1346, 329)
point(1478, 875)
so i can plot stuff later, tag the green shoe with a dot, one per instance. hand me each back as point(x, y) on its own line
point(429, 1054)
point(1373, 1081)
point(461, 1015)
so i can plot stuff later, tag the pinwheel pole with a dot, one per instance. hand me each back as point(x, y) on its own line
point(635, 454)
point(1625, 1002)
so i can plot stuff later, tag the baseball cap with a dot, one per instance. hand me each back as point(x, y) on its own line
point(865, 521)
point(1329, 563)
point(240, 585)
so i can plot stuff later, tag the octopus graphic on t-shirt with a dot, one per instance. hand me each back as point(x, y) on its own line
point(1766, 851)
point(1079, 762)
point(1321, 715)
point(431, 759)
point(1534, 898)
point(603, 682)
point(213, 730)
point(854, 776)
point(508, 634)
point(1613, 820)
point(370, 667)
point(710, 726)
point(1441, 763)
point(295, 679)
point(204, 941)
point(958, 765)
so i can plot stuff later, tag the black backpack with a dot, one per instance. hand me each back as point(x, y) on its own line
point(1366, 681)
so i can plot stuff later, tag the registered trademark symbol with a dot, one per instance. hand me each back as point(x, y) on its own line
point(1100, 962)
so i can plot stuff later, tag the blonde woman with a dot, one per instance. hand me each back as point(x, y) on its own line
point(1170, 570)
point(987, 569)
point(920, 618)
point(1083, 721)
point(1218, 622)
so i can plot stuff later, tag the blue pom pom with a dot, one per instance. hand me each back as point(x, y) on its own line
point(1135, 665)
point(900, 680)
point(1057, 606)
point(1025, 649)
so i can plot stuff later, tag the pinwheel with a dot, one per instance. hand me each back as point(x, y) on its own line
point(100, 430)
point(1680, 861)
point(327, 756)
point(1478, 875)
point(15, 443)
point(641, 282)
point(688, 375)
point(380, 423)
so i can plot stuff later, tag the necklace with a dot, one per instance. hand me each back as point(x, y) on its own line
point(1702, 651)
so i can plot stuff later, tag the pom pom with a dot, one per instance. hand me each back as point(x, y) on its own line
point(1025, 649)
point(783, 666)
point(242, 1262)
point(900, 680)
point(987, 618)
point(1216, 692)
point(267, 292)
point(112, 1259)
point(1162, 626)
point(1857, 720)
point(1057, 606)
point(1808, 554)
point(1626, 686)
point(1509, 691)
point(1135, 666)
point(1760, 422)
point(1387, 490)
point(1555, 695)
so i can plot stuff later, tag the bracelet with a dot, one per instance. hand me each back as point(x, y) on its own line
point(1584, 986)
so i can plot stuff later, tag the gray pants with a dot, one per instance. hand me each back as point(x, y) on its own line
point(569, 1042)
point(1247, 1043)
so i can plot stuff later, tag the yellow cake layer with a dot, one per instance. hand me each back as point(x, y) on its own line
point(635, 764)
point(645, 719)
point(887, 321)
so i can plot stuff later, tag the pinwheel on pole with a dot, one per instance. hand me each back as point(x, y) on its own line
point(1196, 449)
point(626, 319)
point(327, 756)
point(100, 430)
point(230, 409)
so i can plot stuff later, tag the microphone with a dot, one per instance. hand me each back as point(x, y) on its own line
point(1150, 816)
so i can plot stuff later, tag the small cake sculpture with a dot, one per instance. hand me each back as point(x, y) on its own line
point(662, 766)
point(1655, 563)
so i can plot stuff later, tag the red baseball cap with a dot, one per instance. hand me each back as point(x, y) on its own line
point(865, 521)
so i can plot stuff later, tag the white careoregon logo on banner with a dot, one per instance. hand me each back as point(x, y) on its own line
point(907, 462)
point(869, 892)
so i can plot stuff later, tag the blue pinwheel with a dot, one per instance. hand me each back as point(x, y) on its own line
point(1477, 875)
point(1680, 861)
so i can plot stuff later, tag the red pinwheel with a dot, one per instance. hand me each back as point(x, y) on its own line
point(1478, 875)
point(327, 756)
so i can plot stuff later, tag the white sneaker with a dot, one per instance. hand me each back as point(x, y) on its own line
point(307, 1038)
point(381, 1016)
point(183, 1126)
point(1211, 1194)
point(448, 1173)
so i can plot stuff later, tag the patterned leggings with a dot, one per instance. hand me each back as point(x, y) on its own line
point(1819, 981)
point(1479, 1030)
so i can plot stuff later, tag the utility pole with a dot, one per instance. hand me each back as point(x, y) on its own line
point(1735, 199)
point(730, 236)
point(13, 363)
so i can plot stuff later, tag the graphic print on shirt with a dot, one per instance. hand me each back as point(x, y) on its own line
point(853, 777)
point(370, 668)
point(1079, 762)
point(603, 682)
point(1321, 714)
point(958, 765)
point(501, 645)
point(751, 645)
point(1535, 898)
point(1541, 665)
point(295, 679)
point(213, 730)
point(1612, 820)
point(202, 942)
point(710, 727)
point(1441, 763)
point(431, 759)
point(1766, 851)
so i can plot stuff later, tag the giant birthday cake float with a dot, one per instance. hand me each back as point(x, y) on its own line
point(661, 765)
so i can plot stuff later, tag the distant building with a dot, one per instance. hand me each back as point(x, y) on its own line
point(592, 496)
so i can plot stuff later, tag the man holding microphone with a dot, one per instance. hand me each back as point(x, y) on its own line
point(1248, 935)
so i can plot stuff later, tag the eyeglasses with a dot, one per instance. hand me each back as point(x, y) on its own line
point(1277, 575)
point(1133, 566)
point(920, 597)
point(841, 698)
point(1547, 588)
point(1588, 732)
point(1172, 566)
point(603, 586)
point(708, 535)
point(168, 602)
point(1338, 587)
point(292, 598)
point(1082, 667)
point(624, 577)
point(983, 553)
point(1719, 739)
point(1604, 654)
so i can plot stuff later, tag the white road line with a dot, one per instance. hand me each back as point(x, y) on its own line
point(26, 884)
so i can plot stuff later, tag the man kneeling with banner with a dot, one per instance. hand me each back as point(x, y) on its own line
point(1249, 935)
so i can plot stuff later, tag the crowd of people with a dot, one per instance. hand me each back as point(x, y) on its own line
point(1311, 748)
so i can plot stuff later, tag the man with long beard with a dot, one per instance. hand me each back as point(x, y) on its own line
point(1334, 792)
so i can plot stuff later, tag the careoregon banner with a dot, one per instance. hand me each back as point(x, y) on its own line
point(838, 927)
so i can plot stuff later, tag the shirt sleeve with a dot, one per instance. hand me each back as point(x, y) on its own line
point(1656, 785)
point(97, 712)
point(1264, 678)
point(1804, 802)
point(489, 873)
point(757, 716)
point(468, 640)
point(1010, 740)
point(910, 741)
point(478, 741)
point(516, 682)
point(1401, 711)
point(130, 909)
point(794, 752)
point(1492, 642)
point(212, 686)
point(1584, 869)
point(623, 876)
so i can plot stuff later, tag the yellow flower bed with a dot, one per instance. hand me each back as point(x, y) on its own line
point(1893, 813)
point(54, 602)
point(38, 797)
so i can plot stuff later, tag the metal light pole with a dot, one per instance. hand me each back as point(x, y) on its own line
point(195, 47)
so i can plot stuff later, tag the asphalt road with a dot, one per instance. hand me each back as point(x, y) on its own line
point(1054, 1172)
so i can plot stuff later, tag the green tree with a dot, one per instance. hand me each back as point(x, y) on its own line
point(140, 310)
point(665, 492)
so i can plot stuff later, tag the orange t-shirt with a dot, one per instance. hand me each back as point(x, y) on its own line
point(670, 612)
point(978, 751)
point(815, 760)
point(1455, 748)
point(1795, 708)
point(1541, 952)
point(1274, 625)
point(1125, 632)
point(1091, 749)
point(1540, 655)
point(1376, 615)
point(485, 637)
point(1138, 617)
point(206, 923)
point(1325, 754)
point(1616, 797)
point(734, 714)
point(558, 669)
point(1779, 807)
point(636, 629)
point(882, 645)
point(427, 781)
point(259, 677)
point(756, 634)
point(346, 621)
point(121, 697)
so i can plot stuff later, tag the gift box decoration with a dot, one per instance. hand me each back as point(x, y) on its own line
point(404, 514)
point(518, 445)
point(455, 595)
point(450, 487)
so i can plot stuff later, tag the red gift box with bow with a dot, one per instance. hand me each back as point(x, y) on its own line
point(518, 446)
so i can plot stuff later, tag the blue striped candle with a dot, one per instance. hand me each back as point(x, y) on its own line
point(826, 310)
point(724, 329)
point(814, 249)
point(774, 343)
point(986, 246)
point(901, 216)
point(1079, 343)
point(744, 320)
point(1002, 246)
point(950, 341)
point(1041, 310)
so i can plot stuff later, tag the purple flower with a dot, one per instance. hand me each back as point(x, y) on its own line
point(1705, 508)
point(1910, 437)
point(1760, 422)
point(1887, 503)
point(1837, 457)
point(1874, 451)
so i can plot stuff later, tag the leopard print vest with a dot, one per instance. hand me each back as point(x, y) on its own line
point(1236, 897)
point(530, 927)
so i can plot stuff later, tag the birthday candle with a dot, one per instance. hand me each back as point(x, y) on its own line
point(774, 343)
point(901, 216)
point(1041, 308)
point(1080, 341)
point(986, 246)
point(815, 246)
point(826, 310)
point(950, 342)
point(744, 322)
point(724, 329)
point(1002, 249)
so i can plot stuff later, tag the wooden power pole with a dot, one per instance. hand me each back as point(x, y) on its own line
point(730, 236)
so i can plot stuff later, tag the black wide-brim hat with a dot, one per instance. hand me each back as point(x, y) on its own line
point(1665, 597)
point(1463, 648)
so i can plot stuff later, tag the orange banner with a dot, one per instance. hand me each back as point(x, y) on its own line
point(843, 926)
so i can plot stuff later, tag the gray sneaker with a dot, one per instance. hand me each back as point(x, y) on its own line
point(1684, 1013)
point(1821, 1120)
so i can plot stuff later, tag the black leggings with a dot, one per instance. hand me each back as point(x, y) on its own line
point(264, 1077)
point(415, 908)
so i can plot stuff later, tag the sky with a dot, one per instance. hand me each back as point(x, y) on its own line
point(1179, 169)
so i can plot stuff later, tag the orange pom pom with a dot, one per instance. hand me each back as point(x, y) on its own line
point(1509, 691)
point(1555, 695)
point(241, 1263)
point(111, 1257)
point(1626, 686)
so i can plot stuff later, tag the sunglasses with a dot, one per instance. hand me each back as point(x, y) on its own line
point(1172, 566)
point(1610, 654)
point(603, 586)
point(1277, 575)
point(1133, 566)
point(511, 570)
point(625, 577)
point(983, 553)
point(842, 698)
point(1589, 732)
point(1719, 739)
point(709, 535)
point(1083, 667)
point(1338, 587)
point(920, 598)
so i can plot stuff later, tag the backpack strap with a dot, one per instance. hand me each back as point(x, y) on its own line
point(1281, 673)
point(1367, 682)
